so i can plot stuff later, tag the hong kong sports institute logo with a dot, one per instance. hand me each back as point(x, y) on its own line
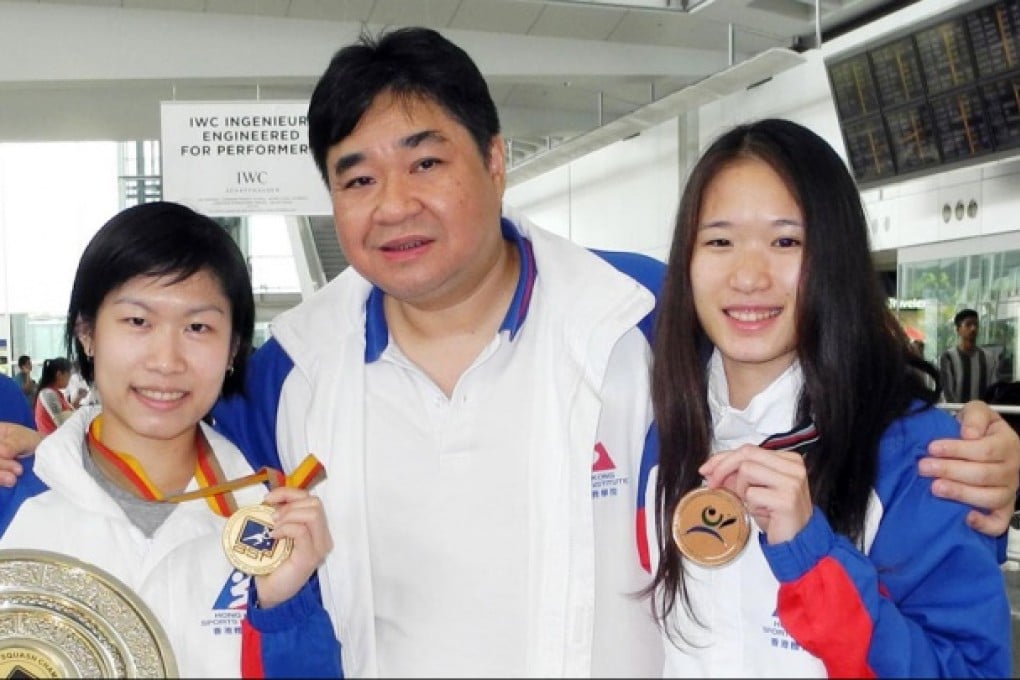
point(606, 480)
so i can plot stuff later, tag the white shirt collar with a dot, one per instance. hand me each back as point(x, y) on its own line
point(771, 411)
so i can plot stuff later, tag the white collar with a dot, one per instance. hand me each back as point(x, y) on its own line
point(771, 411)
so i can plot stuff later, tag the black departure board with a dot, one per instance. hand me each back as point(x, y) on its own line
point(897, 72)
point(961, 125)
point(867, 147)
point(992, 32)
point(912, 137)
point(1002, 101)
point(945, 56)
point(947, 92)
point(853, 87)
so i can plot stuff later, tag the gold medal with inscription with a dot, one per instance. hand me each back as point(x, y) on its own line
point(247, 543)
point(710, 526)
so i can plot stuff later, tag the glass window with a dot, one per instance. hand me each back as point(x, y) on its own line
point(988, 283)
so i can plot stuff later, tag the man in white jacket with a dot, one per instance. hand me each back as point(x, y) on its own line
point(476, 387)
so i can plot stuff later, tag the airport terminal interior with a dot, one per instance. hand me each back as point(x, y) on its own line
point(604, 104)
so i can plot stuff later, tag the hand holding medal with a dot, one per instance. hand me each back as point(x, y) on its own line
point(250, 540)
point(772, 485)
point(299, 522)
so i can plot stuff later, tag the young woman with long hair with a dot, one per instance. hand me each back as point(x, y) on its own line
point(792, 419)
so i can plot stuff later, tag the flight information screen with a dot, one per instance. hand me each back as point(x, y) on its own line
point(992, 32)
point(913, 138)
point(945, 56)
point(867, 144)
point(961, 125)
point(1002, 102)
point(946, 93)
point(898, 72)
point(854, 88)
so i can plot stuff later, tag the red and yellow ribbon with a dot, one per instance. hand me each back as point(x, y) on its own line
point(208, 474)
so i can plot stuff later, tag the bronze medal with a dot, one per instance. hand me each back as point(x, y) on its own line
point(710, 526)
point(247, 543)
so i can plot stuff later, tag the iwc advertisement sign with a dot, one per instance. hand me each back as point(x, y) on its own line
point(241, 158)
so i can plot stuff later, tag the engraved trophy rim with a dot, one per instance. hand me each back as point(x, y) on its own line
point(73, 619)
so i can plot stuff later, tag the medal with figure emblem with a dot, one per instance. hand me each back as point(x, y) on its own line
point(247, 543)
point(710, 526)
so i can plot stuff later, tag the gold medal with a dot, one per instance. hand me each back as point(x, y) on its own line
point(710, 526)
point(247, 543)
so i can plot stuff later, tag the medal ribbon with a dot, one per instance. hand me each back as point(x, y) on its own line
point(208, 474)
point(800, 439)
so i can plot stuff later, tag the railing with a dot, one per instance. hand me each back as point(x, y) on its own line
point(999, 408)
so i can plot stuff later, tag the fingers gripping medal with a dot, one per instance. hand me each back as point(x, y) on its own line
point(710, 526)
point(246, 540)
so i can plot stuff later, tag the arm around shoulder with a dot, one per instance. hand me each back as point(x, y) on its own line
point(979, 466)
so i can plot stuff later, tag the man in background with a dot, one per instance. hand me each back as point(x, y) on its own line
point(966, 369)
point(24, 379)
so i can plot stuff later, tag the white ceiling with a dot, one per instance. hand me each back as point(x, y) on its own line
point(96, 69)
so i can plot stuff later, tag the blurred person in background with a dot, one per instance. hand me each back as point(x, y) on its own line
point(77, 391)
point(24, 379)
point(51, 406)
point(966, 369)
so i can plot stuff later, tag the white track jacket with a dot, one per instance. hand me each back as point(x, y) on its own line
point(181, 572)
point(306, 393)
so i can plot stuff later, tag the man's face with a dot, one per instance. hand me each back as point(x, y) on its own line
point(967, 330)
point(415, 205)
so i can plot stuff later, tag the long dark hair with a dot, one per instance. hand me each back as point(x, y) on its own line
point(859, 372)
point(50, 369)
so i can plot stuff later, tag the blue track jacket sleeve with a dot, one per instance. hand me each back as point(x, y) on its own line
point(13, 407)
point(11, 498)
point(927, 600)
point(249, 419)
point(647, 271)
point(292, 640)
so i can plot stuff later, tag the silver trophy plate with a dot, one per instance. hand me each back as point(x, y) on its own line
point(63, 618)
